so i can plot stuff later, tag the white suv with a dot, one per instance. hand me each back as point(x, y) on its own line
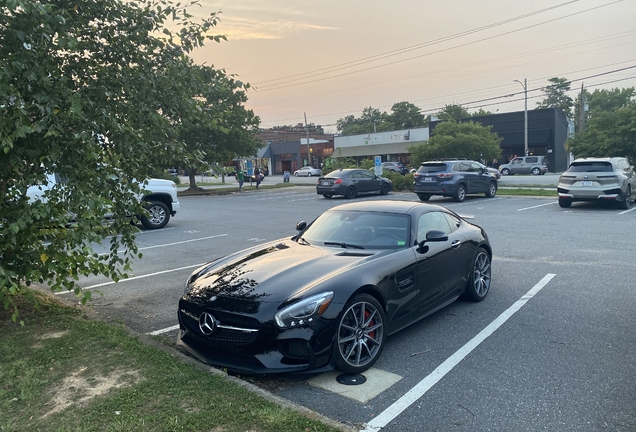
point(598, 179)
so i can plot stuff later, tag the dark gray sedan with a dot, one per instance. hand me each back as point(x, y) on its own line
point(351, 182)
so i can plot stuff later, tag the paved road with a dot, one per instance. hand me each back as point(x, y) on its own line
point(563, 361)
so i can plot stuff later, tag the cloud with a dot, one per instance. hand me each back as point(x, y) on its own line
point(245, 28)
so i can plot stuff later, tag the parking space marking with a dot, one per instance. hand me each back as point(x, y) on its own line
point(434, 377)
point(627, 211)
point(171, 244)
point(164, 330)
point(537, 206)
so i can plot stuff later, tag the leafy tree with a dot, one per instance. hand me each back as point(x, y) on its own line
point(453, 112)
point(223, 129)
point(602, 100)
point(608, 133)
point(481, 112)
point(405, 115)
point(93, 91)
point(556, 95)
point(450, 139)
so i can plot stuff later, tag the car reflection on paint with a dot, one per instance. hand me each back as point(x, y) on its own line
point(329, 296)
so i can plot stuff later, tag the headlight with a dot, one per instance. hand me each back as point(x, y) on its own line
point(305, 311)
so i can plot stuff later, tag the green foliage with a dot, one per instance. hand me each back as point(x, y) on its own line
point(92, 91)
point(335, 163)
point(556, 95)
point(607, 134)
point(367, 164)
point(404, 115)
point(468, 140)
point(601, 100)
point(400, 182)
point(453, 112)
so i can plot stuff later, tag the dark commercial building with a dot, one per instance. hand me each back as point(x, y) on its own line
point(547, 133)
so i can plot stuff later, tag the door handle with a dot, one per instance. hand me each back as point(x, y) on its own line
point(456, 244)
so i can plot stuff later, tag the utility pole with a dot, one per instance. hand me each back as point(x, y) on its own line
point(582, 109)
point(308, 149)
point(525, 116)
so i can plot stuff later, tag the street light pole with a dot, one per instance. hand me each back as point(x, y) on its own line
point(525, 116)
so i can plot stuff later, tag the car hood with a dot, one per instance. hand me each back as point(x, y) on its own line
point(274, 272)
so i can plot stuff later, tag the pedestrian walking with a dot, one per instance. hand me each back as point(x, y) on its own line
point(241, 178)
point(257, 175)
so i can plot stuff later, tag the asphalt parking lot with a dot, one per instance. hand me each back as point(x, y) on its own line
point(551, 348)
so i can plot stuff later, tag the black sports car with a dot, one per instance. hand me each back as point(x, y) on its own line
point(329, 296)
point(350, 182)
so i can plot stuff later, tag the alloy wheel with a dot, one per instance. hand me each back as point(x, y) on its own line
point(360, 334)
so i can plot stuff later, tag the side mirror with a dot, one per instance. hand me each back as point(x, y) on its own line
point(432, 236)
point(300, 226)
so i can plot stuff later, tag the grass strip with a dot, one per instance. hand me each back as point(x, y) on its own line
point(62, 371)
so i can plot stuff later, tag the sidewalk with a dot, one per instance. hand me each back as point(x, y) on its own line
point(230, 182)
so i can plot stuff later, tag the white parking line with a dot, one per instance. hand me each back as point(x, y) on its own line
point(627, 211)
point(135, 277)
point(427, 383)
point(171, 244)
point(165, 330)
point(540, 205)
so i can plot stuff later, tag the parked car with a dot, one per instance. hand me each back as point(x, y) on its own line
point(453, 178)
point(492, 171)
point(535, 165)
point(329, 296)
point(351, 182)
point(398, 167)
point(308, 171)
point(598, 179)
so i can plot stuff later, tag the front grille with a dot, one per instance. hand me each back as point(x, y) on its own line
point(234, 320)
point(294, 349)
point(232, 336)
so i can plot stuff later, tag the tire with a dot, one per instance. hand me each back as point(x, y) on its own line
point(361, 335)
point(384, 189)
point(328, 196)
point(505, 171)
point(351, 192)
point(479, 280)
point(295, 174)
point(308, 174)
point(536, 171)
point(424, 197)
point(158, 215)
point(492, 190)
point(565, 203)
point(627, 200)
point(460, 195)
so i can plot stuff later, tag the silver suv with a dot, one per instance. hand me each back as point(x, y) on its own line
point(535, 165)
point(594, 179)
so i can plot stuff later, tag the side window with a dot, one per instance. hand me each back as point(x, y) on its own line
point(532, 160)
point(475, 167)
point(517, 161)
point(431, 220)
point(365, 174)
point(453, 222)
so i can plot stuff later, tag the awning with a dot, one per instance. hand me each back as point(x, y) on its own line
point(374, 149)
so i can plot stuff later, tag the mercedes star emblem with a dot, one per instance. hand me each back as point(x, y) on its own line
point(207, 323)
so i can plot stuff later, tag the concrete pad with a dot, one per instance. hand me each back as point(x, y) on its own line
point(377, 382)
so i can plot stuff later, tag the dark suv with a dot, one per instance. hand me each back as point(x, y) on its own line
point(453, 178)
point(395, 167)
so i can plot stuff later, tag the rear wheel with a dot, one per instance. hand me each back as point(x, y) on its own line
point(384, 189)
point(479, 280)
point(327, 195)
point(627, 200)
point(565, 203)
point(536, 171)
point(505, 171)
point(460, 195)
point(351, 192)
point(361, 334)
point(492, 190)
point(424, 197)
point(158, 215)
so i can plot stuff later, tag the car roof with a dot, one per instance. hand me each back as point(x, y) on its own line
point(387, 206)
point(597, 159)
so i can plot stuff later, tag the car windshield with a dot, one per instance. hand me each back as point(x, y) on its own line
point(432, 167)
point(590, 167)
point(359, 230)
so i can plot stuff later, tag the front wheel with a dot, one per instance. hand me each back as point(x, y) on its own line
point(351, 192)
point(460, 195)
point(492, 190)
point(505, 171)
point(158, 215)
point(308, 174)
point(479, 280)
point(361, 336)
point(536, 171)
point(384, 189)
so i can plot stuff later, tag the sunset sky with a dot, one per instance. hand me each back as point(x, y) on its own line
point(330, 59)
